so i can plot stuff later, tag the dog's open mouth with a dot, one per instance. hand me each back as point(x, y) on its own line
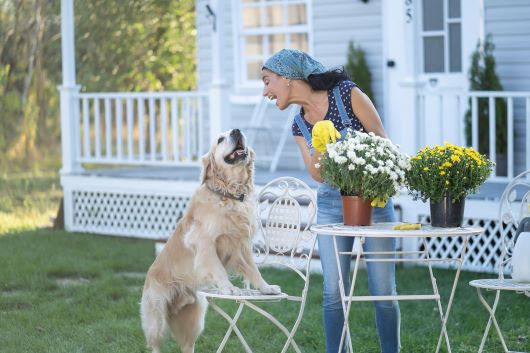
point(239, 153)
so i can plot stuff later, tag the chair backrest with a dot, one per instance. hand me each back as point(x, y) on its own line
point(514, 206)
point(286, 209)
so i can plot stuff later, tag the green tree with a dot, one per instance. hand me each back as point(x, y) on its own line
point(357, 68)
point(146, 45)
point(483, 77)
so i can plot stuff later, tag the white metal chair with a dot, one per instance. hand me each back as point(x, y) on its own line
point(514, 205)
point(286, 210)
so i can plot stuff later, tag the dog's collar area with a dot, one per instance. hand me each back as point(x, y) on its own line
point(226, 194)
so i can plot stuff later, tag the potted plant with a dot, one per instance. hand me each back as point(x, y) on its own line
point(445, 175)
point(367, 169)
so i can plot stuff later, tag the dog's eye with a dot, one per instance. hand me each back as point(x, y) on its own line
point(221, 139)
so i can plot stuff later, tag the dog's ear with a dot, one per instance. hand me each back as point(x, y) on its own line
point(250, 165)
point(251, 155)
point(206, 166)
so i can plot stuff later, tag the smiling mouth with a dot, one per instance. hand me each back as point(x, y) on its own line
point(239, 153)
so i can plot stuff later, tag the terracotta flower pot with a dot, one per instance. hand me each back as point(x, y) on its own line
point(355, 211)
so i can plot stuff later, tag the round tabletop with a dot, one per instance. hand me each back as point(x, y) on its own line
point(386, 230)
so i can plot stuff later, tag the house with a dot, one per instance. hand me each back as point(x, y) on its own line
point(419, 56)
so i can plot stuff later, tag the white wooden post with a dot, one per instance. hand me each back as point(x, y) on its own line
point(68, 90)
point(218, 92)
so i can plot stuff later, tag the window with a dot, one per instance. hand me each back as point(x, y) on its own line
point(264, 27)
point(441, 36)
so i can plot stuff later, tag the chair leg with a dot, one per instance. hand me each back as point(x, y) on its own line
point(233, 327)
point(491, 311)
point(286, 332)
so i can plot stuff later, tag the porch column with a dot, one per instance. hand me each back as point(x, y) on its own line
point(218, 92)
point(67, 91)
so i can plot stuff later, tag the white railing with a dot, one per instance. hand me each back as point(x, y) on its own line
point(147, 128)
point(441, 117)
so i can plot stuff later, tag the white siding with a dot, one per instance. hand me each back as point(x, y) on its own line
point(509, 23)
point(336, 22)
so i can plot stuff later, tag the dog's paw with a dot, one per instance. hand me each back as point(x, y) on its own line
point(230, 290)
point(270, 289)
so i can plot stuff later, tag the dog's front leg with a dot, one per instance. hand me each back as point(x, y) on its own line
point(250, 271)
point(208, 264)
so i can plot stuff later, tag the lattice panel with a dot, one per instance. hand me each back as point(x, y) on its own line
point(140, 215)
point(483, 251)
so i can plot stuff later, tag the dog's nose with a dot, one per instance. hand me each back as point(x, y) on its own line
point(235, 133)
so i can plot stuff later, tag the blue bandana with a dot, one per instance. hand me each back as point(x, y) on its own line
point(293, 64)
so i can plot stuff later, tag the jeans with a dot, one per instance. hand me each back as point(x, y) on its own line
point(381, 275)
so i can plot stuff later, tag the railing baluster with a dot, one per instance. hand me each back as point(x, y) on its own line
point(141, 126)
point(459, 123)
point(108, 129)
point(152, 125)
point(492, 131)
point(474, 122)
point(510, 153)
point(86, 129)
point(130, 129)
point(200, 126)
point(77, 128)
point(193, 123)
point(119, 123)
point(163, 130)
point(175, 129)
point(527, 137)
point(97, 129)
point(187, 122)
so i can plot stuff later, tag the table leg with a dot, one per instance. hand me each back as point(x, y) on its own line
point(445, 316)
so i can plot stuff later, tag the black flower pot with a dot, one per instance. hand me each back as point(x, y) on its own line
point(446, 213)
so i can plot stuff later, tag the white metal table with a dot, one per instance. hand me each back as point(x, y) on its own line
point(385, 230)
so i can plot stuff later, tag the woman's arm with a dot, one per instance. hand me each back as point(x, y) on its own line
point(364, 110)
point(309, 160)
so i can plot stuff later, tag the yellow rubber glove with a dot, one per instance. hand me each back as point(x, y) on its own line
point(324, 132)
point(378, 203)
point(407, 226)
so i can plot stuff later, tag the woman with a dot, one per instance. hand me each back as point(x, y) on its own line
point(293, 77)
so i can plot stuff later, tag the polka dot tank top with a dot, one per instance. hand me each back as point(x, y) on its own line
point(333, 114)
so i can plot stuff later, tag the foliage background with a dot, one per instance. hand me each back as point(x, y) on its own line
point(146, 45)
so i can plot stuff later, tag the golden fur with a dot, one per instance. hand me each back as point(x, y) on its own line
point(214, 234)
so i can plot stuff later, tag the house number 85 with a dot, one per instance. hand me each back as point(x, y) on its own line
point(408, 11)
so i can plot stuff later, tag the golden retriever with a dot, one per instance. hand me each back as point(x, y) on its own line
point(214, 234)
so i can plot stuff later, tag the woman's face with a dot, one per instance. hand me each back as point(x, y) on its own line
point(276, 87)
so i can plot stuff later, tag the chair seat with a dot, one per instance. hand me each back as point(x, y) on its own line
point(500, 284)
point(246, 294)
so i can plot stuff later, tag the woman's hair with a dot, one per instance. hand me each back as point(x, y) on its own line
point(328, 79)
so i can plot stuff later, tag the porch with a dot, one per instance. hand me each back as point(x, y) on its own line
point(136, 161)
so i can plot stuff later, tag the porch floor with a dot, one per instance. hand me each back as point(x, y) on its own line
point(489, 191)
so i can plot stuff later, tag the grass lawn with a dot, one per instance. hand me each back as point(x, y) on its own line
point(63, 292)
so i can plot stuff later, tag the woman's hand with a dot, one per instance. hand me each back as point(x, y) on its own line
point(324, 132)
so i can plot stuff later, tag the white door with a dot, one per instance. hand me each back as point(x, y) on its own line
point(427, 45)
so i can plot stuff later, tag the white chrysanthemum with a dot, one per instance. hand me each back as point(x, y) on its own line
point(341, 159)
